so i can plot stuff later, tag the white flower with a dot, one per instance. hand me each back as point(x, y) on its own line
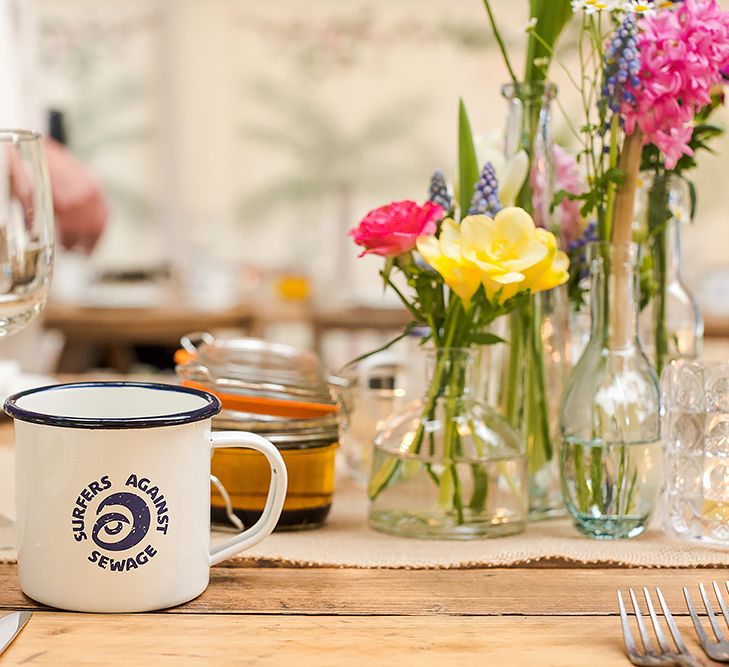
point(596, 6)
point(643, 6)
point(530, 24)
point(510, 173)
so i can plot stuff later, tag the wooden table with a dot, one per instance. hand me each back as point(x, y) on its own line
point(546, 615)
point(116, 329)
point(314, 617)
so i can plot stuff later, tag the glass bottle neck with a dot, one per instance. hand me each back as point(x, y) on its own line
point(673, 250)
point(528, 115)
point(667, 203)
point(528, 129)
point(452, 373)
point(614, 295)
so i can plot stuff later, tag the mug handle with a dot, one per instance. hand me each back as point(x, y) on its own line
point(276, 493)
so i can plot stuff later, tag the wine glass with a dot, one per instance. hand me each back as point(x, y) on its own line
point(26, 241)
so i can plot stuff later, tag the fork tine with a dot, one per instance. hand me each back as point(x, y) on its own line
point(710, 613)
point(671, 623)
point(722, 604)
point(703, 637)
point(656, 624)
point(627, 633)
point(644, 636)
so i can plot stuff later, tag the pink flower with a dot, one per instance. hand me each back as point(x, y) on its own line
point(683, 54)
point(392, 230)
point(568, 178)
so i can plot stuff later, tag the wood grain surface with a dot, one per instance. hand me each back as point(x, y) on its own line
point(277, 616)
point(492, 592)
point(318, 641)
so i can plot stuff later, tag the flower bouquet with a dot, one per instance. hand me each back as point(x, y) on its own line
point(449, 466)
point(646, 83)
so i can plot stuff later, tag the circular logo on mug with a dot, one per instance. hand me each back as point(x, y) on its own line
point(124, 526)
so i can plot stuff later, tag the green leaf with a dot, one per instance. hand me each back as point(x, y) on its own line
point(552, 18)
point(485, 339)
point(382, 348)
point(468, 171)
point(692, 198)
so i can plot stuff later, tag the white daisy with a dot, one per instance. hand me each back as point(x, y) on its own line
point(640, 7)
point(596, 6)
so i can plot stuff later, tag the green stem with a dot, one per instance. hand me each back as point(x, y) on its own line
point(605, 231)
point(382, 477)
point(596, 474)
point(513, 381)
point(622, 462)
point(539, 438)
point(658, 218)
point(583, 493)
point(499, 40)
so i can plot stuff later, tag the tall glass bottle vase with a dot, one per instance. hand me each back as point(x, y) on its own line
point(447, 466)
point(611, 448)
point(535, 364)
point(671, 325)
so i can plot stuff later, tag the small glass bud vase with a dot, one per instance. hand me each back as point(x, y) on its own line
point(611, 453)
point(448, 466)
point(696, 426)
point(671, 326)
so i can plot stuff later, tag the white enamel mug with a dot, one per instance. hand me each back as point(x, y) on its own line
point(113, 494)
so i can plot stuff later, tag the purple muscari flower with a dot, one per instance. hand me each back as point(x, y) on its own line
point(622, 66)
point(438, 191)
point(485, 199)
point(588, 236)
point(576, 251)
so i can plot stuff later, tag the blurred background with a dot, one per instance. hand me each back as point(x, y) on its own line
point(237, 142)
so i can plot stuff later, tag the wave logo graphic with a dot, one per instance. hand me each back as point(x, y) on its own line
point(124, 520)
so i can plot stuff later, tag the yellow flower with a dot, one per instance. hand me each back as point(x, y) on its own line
point(445, 256)
point(508, 255)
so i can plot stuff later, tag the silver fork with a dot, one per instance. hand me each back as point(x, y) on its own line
point(649, 657)
point(716, 650)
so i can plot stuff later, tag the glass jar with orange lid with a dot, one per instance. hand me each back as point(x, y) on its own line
point(283, 394)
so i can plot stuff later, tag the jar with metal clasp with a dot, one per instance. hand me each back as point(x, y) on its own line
point(283, 394)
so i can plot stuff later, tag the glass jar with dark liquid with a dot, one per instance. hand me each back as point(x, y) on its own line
point(308, 447)
point(282, 394)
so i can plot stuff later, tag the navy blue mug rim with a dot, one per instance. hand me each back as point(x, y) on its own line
point(210, 409)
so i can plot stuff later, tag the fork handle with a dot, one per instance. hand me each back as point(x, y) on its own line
point(689, 661)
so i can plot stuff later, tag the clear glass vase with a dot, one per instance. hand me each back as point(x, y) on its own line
point(529, 128)
point(530, 370)
point(671, 325)
point(611, 453)
point(524, 378)
point(448, 466)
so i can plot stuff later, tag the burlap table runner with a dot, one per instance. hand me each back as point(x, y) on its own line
point(346, 541)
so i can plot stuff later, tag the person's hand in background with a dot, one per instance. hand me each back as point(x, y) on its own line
point(78, 200)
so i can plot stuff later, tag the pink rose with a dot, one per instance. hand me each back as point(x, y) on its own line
point(392, 230)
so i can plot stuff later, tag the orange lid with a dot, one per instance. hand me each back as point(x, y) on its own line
point(264, 405)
